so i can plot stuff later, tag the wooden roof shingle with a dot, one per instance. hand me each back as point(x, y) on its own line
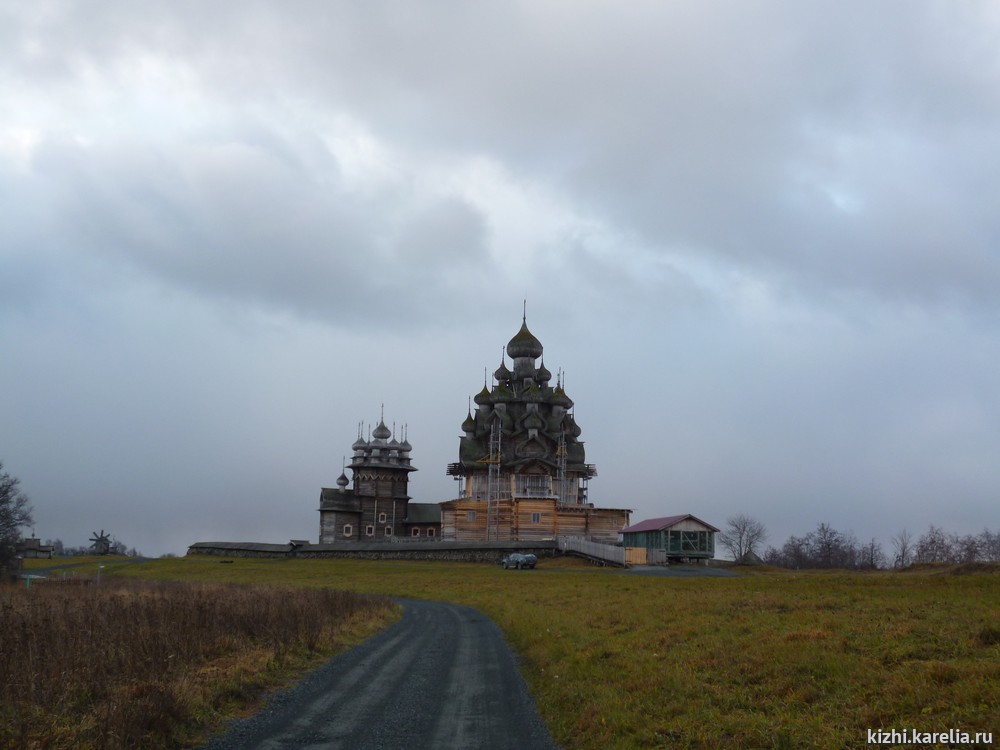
point(665, 522)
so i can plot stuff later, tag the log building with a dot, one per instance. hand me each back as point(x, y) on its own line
point(375, 507)
point(521, 464)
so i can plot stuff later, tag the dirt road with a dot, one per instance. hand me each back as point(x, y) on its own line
point(442, 677)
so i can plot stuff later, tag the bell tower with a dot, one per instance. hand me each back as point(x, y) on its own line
point(381, 468)
point(373, 504)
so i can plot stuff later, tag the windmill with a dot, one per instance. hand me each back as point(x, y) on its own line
point(101, 543)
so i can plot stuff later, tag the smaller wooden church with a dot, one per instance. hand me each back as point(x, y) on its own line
point(681, 538)
point(376, 506)
point(32, 548)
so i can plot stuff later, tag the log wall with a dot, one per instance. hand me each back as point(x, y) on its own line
point(529, 519)
point(459, 552)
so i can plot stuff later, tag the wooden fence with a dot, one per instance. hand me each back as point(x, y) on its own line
point(605, 553)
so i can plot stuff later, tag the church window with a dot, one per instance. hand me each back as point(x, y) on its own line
point(536, 517)
point(388, 530)
point(381, 517)
point(430, 532)
point(370, 530)
point(472, 515)
point(348, 529)
point(415, 531)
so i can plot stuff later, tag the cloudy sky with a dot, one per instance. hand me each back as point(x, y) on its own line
point(762, 239)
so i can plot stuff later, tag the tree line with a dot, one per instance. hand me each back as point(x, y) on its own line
point(115, 547)
point(826, 547)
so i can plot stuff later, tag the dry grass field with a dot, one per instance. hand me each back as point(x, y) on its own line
point(765, 660)
point(152, 664)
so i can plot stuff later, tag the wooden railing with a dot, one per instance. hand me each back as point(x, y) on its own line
point(605, 553)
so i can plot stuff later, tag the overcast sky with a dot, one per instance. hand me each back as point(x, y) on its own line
point(762, 240)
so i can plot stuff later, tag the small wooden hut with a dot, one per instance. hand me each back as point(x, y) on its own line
point(681, 538)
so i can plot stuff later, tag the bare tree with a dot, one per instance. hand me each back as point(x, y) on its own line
point(742, 535)
point(827, 547)
point(934, 547)
point(118, 547)
point(965, 549)
point(794, 553)
point(902, 545)
point(989, 546)
point(823, 548)
point(871, 556)
point(15, 512)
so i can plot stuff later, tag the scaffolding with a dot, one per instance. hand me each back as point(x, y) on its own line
point(561, 466)
point(493, 482)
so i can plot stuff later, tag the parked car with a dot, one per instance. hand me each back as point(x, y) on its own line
point(517, 561)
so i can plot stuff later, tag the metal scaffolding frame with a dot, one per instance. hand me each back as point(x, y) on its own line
point(561, 465)
point(493, 482)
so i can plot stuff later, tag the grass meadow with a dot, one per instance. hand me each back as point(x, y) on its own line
point(770, 659)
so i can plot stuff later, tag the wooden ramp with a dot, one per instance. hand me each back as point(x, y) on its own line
point(601, 554)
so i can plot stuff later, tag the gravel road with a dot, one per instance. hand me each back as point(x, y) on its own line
point(442, 677)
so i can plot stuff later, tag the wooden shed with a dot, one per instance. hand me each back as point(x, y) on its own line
point(32, 548)
point(679, 537)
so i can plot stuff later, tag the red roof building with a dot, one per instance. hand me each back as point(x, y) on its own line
point(683, 538)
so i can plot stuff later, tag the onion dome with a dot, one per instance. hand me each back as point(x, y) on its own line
point(382, 432)
point(359, 445)
point(542, 374)
point(342, 480)
point(502, 374)
point(405, 446)
point(524, 344)
point(560, 398)
point(469, 425)
point(483, 397)
point(573, 427)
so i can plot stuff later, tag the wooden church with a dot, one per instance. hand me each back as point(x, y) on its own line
point(521, 462)
point(521, 465)
point(376, 506)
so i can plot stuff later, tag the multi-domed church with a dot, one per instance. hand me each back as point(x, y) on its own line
point(377, 505)
point(521, 464)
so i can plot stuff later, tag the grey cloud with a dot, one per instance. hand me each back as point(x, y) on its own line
point(739, 132)
point(448, 232)
point(249, 220)
point(761, 237)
